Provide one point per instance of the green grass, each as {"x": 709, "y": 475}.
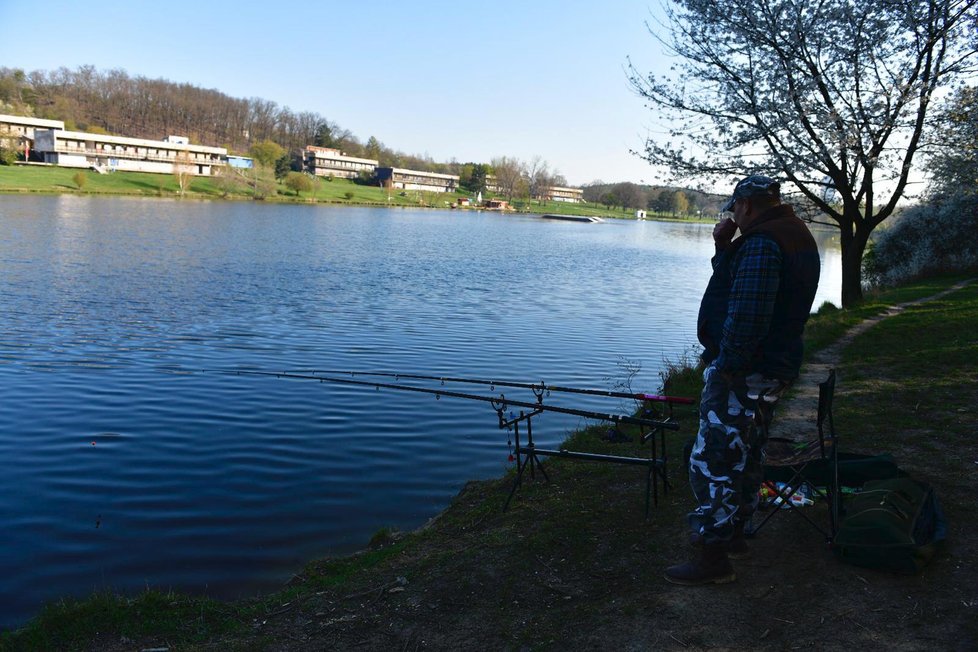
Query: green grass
{"x": 70, "y": 624}
{"x": 915, "y": 375}
{"x": 51, "y": 180}
{"x": 154, "y": 615}
{"x": 830, "y": 323}
{"x": 42, "y": 179}
{"x": 38, "y": 179}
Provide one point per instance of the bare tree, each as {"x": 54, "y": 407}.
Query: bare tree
{"x": 183, "y": 170}
{"x": 629, "y": 195}
{"x": 230, "y": 180}
{"x": 829, "y": 95}
{"x": 264, "y": 184}
{"x": 539, "y": 178}
{"x": 509, "y": 176}
{"x": 262, "y": 118}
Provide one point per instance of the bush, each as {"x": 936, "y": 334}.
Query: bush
{"x": 298, "y": 182}
{"x": 364, "y": 178}
{"x": 264, "y": 182}
{"x": 684, "y": 376}
{"x": 80, "y": 179}
{"x": 348, "y": 194}
{"x": 936, "y": 237}
{"x": 827, "y": 308}
{"x": 8, "y": 151}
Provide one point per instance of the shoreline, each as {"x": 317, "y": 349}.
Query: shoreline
{"x": 51, "y": 180}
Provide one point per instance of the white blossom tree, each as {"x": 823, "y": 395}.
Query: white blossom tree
{"x": 833, "y": 96}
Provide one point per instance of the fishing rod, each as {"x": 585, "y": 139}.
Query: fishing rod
{"x": 542, "y": 387}
{"x": 527, "y": 455}
{"x": 499, "y": 403}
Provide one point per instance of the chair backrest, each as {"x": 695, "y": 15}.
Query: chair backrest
{"x": 826, "y": 394}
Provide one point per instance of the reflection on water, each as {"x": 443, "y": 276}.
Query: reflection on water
{"x": 130, "y": 462}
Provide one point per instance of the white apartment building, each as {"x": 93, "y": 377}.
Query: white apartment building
{"x": 569, "y": 195}
{"x": 417, "y": 180}
{"x": 83, "y": 150}
{"x": 330, "y": 162}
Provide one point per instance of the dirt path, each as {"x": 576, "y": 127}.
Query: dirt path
{"x": 796, "y": 414}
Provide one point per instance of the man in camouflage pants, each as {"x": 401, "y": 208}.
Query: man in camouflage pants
{"x": 751, "y": 321}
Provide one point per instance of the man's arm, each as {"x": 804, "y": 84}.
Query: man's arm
{"x": 723, "y": 233}
{"x": 756, "y": 277}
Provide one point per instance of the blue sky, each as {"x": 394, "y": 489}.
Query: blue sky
{"x": 470, "y": 81}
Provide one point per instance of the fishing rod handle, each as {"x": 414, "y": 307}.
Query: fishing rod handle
{"x": 681, "y": 400}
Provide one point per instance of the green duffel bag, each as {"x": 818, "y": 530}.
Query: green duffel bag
{"x": 893, "y": 525}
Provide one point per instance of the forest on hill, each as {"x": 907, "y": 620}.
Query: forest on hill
{"x": 115, "y": 102}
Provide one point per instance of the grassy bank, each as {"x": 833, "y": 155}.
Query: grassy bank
{"x": 574, "y": 565}
{"x": 55, "y": 180}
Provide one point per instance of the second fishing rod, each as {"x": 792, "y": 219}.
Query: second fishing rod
{"x": 500, "y": 403}
{"x": 541, "y": 386}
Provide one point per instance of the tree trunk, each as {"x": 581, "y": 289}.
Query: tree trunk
{"x": 852, "y": 287}
{"x": 853, "y": 246}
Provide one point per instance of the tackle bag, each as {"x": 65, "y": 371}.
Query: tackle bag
{"x": 893, "y": 525}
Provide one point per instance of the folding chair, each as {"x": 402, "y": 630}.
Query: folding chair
{"x": 813, "y": 463}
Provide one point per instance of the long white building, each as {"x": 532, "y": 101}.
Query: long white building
{"x": 330, "y": 162}
{"x": 83, "y": 150}
{"x": 559, "y": 193}
{"x": 417, "y": 180}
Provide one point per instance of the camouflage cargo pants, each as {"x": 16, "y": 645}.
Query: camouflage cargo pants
{"x": 725, "y": 466}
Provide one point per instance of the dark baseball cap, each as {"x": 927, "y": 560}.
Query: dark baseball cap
{"x": 755, "y": 184}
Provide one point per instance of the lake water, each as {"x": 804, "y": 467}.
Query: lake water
{"x": 127, "y": 465}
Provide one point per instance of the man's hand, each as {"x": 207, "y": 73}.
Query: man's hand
{"x": 723, "y": 232}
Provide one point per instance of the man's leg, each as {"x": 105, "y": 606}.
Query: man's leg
{"x": 754, "y": 437}
{"x": 716, "y": 468}
{"x": 762, "y": 397}
{"x": 719, "y": 458}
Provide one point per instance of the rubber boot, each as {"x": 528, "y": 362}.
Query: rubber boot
{"x": 709, "y": 566}
{"x": 737, "y": 547}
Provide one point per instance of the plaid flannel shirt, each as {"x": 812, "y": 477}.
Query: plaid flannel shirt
{"x": 756, "y": 271}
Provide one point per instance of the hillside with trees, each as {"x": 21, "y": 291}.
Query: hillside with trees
{"x": 115, "y": 102}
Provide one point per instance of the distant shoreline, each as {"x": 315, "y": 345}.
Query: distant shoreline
{"x": 51, "y": 180}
